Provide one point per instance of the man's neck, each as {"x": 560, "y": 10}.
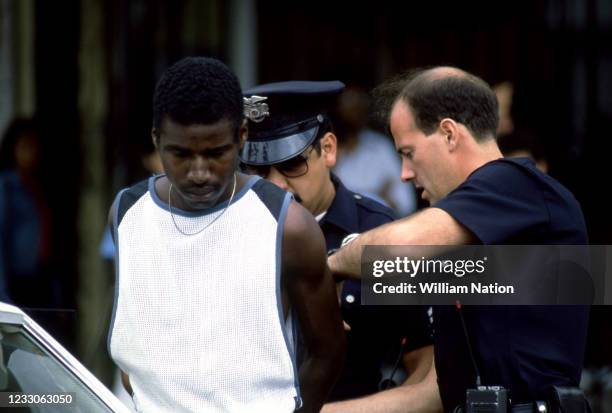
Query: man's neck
{"x": 162, "y": 187}
{"x": 484, "y": 153}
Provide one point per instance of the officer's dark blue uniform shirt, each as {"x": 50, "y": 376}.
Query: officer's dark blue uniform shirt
{"x": 376, "y": 332}
{"x": 524, "y": 348}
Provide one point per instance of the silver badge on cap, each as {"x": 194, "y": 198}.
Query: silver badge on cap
{"x": 255, "y": 108}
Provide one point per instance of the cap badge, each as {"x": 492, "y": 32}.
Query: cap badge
{"x": 255, "y": 108}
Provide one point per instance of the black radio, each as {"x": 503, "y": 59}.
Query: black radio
{"x": 482, "y": 399}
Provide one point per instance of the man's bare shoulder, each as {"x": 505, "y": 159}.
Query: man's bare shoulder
{"x": 303, "y": 240}
{"x": 300, "y": 224}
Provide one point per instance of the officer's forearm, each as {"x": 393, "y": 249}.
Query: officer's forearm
{"x": 431, "y": 226}
{"x": 422, "y": 397}
{"x": 396, "y": 400}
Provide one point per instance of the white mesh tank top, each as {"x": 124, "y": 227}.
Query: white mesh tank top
{"x": 198, "y": 322}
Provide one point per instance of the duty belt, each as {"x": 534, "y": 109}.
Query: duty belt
{"x": 535, "y": 407}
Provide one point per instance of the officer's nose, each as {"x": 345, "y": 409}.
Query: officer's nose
{"x": 407, "y": 173}
{"x": 199, "y": 172}
{"x": 278, "y": 179}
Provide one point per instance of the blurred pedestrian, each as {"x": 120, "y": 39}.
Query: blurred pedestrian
{"x": 25, "y": 220}
{"x": 360, "y": 147}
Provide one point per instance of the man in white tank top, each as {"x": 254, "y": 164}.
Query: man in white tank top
{"x": 216, "y": 270}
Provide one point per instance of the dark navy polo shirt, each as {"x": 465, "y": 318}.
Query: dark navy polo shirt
{"x": 376, "y": 332}
{"x": 527, "y": 349}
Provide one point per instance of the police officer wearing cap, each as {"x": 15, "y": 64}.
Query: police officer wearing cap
{"x": 291, "y": 143}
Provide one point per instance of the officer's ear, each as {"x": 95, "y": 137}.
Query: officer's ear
{"x": 329, "y": 148}
{"x": 243, "y": 133}
{"x": 449, "y": 129}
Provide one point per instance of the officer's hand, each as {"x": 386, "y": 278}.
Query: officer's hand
{"x": 335, "y": 269}
{"x": 332, "y": 261}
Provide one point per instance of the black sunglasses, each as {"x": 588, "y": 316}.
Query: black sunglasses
{"x": 291, "y": 168}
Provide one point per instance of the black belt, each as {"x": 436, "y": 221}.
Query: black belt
{"x": 535, "y": 407}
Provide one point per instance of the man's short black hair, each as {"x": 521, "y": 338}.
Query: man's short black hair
{"x": 460, "y": 96}
{"x": 198, "y": 90}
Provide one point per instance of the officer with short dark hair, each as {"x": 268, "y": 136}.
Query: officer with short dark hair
{"x": 443, "y": 121}
{"x": 292, "y": 143}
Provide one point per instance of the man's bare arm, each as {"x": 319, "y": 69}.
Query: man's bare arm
{"x": 311, "y": 292}
{"x": 432, "y": 226}
{"x": 421, "y": 397}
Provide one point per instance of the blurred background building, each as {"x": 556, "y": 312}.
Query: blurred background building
{"x": 86, "y": 70}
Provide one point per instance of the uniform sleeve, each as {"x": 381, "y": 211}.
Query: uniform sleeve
{"x": 497, "y": 203}
{"x": 373, "y": 214}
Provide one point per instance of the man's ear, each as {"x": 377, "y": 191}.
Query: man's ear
{"x": 329, "y": 148}
{"x": 155, "y": 137}
{"x": 243, "y": 133}
{"x": 449, "y": 129}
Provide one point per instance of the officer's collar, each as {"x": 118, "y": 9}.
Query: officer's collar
{"x": 343, "y": 210}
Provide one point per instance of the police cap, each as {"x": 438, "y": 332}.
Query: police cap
{"x": 285, "y": 118}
